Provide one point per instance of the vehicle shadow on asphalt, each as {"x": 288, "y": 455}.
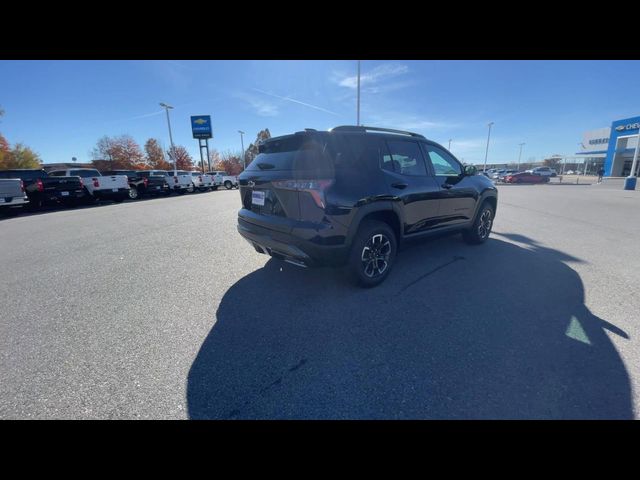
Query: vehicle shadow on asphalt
{"x": 497, "y": 331}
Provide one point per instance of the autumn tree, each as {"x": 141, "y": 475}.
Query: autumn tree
{"x": 230, "y": 162}
{"x": 4, "y": 150}
{"x": 19, "y": 157}
{"x": 115, "y": 153}
{"x": 154, "y": 155}
{"x": 252, "y": 150}
{"x": 183, "y": 158}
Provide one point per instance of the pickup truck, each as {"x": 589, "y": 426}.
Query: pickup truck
{"x": 179, "y": 183}
{"x": 199, "y": 181}
{"x": 99, "y": 187}
{"x": 43, "y": 189}
{"x": 12, "y": 195}
{"x": 141, "y": 182}
{"x": 221, "y": 178}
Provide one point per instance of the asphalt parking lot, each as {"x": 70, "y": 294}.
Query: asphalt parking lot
{"x": 158, "y": 309}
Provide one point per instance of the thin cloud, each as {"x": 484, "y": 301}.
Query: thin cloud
{"x": 289, "y": 99}
{"x": 262, "y": 108}
{"x": 376, "y": 75}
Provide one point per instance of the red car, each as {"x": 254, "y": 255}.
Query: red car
{"x": 525, "y": 177}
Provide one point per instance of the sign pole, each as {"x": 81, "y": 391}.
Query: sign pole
{"x": 208, "y": 157}
{"x": 201, "y": 157}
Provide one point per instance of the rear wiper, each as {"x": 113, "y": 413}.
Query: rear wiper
{"x": 265, "y": 166}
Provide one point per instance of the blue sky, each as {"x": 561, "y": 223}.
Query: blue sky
{"x": 61, "y": 108}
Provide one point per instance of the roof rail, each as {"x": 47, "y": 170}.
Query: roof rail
{"x": 353, "y": 128}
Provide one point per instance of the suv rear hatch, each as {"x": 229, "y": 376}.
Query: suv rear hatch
{"x": 287, "y": 182}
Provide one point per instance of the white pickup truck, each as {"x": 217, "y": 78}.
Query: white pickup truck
{"x": 221, "y": 178}
{"x": 180, "y": 183}
{"x": 12, "y": 195}
{"x": 100, "y": 187}
{"x": 200, "y": 181}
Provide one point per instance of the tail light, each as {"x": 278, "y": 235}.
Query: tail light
{"x": 22, "y": 186}
{"x": 40, "y": 185}
{"x": 175, "y": 179}
{"x": 316, "y": 188}
{"x": 145, "y": 180}
{"x": 200, "y": 178}
{"x": 96, "y": 183}
{"x": 81, "y": 183}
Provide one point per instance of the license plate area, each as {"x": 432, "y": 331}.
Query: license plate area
{"x": 257, "y": 198}
{"x": 64, "y": 194}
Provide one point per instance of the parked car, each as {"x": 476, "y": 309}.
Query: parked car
{"x": 99, "y": 187}
{"x": 352, "y": 195}
{"x": 544, "y": 171}
{"x": 221, "y": 178}
{"x": 526, "y": 177}
{"x": 142, "y": 183}
{"x": 43, "y": 189}
{"x": 179, "y": 183}
{"x": 200, "y": 181}
{"x": 504, "y": 173}
{"x": 12, "y": 196}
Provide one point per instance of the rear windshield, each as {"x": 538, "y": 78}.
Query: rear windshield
{"x": 296, "y": 152}
{"x": 84, "y": 173}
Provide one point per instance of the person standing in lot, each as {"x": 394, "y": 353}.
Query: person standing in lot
{"x": 600, "y": 174}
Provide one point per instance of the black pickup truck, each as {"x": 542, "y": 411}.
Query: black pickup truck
{"x": 142, "y": 182}
{"x": 42, "y": 189}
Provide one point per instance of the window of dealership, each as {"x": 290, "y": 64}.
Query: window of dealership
{"x": 611, "y": 147}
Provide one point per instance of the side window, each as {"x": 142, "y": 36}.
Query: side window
{"x": 444, "y": 165}
{"x": 406, "y": 158}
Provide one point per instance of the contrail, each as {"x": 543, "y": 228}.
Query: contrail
{"x": 297, "y": 101}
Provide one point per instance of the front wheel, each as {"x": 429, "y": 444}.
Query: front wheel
{"x": 481, "y": 228}
{"x": 372, "y": 253}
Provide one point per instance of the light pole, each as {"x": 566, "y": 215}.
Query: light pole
{"x": 520, "y": 155}
{"x": 173, "y": 149}
{"x": 358, "y": 107}
{"x": 486, "y": 153}
{"x": 244, "y": 162}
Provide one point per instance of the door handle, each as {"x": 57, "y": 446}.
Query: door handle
{"x": 399, "y": 185}
{"x": 447, "y": 185}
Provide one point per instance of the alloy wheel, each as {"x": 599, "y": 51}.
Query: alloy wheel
{"x": 375, "y": 255}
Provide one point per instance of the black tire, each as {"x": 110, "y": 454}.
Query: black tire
{"x": 182, "y": 191}
{"x": 118, "y": 199}
{"x": 228, "y": 185}
{"x": 134, "y": 194}
{"x": 480, "y": 231}
{"x": 34, "y": 205}
{"x": 214, "y": 188}
{"x": 377, "y": 237}
{"x": 191, "y": 188}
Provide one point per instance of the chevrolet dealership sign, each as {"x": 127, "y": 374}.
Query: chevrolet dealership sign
{"x": 630, "y": 126}
{"x": 201, "y": 126}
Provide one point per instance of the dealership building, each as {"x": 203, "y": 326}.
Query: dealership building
{"x": 611, "y": 147}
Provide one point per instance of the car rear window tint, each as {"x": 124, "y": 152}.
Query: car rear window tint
{"x": 297, "y": 152}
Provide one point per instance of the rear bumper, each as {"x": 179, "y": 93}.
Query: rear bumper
{"x": 13, "y": 202}
{"x": 290, "y": 247}
{"x": 109, "y": 194}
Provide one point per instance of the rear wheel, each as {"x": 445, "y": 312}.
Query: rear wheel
{"x": 191, "y": 188}
{"x": 133, "y": 193}
{"x": 372, "y": 253}
{"x": 182, "y": 191}
{"x": 215, "y": 187}
{"x": 481, "y": 228}
{"x": 228, "y": 185}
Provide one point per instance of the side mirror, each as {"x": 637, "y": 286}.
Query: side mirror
{"x": 470, "y": 170}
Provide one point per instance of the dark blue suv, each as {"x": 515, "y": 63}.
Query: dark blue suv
{"x": 351, "y": 195}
